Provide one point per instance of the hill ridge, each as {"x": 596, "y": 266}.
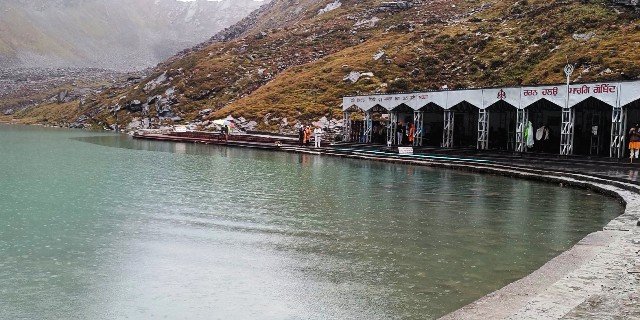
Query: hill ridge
{"x": 291, "y": 60}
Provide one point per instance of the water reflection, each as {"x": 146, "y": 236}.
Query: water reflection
{"x": 148, "y": 229}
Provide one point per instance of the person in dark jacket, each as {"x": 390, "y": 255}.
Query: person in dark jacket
{"x": 399, "y": 133}
{"x": 301, "y": 135}
{"x": 225, "y": 130}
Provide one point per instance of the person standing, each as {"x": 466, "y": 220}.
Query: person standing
{"x": 307, "y": 135}
{"x": 317, "y": 133}
{"x": 226, "y": 133}
{"x": 412, "y": 133}
{"x": 301, "y": 135}
{"x": 634, "y": 142}
{"x": 399, "y": 133}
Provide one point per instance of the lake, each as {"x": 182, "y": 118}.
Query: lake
{"x": 101, "y": 226}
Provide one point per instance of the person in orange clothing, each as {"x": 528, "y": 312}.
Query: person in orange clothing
{"x": 307, "y": 135}
{"x": 412, "y": 133}
{"x": 634, "y": 142}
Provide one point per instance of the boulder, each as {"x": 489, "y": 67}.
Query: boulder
{"x": 250, "y": 126}
{"x": 151, "y": 85}
{"x": 62, "y": 95}
{"x": 136, "y": 123}
{"x": 380, "y": 54}
{"x": 330, "y": 7}
{"x": 584, "y": 36}
{"x": 368, "y": 23}
{"x": 353, "y": 77}
{"x": 163, "y": 108}
{"x": 133, "y": 106}
{"x": 153, "y": 99}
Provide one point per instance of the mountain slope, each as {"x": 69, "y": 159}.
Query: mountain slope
{"x": 292, "y": 58}
{"x": 112, "y": 34}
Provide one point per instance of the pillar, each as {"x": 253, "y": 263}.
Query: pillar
{"x": 566, "y": 131}
{"x": 346, "y": 126}
{"x": 483, "y": 129}
{"x": 418, "y": 122}
{"x": 618, "y": 130}
{"x": 368, "y": 126}
{"x": 392, "y": 128}
{"x": 522, "y": 118}
{"x": 447, "y": 134}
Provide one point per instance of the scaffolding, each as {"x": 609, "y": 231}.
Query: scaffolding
{"x": 346, "y": 126}
{"x": 618, "y": 130}
{"x": 418, "y": 121}
{"x": 447, "y": 132}
{"x": 368, "y": 126}
{"x": 483, "y": 129}
{"x": 522, "y": 118}
{"x": 392, "y": 128}
{"x": 567, "y": 130}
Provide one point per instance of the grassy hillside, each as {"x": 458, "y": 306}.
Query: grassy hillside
{"x": 291, "y": 61}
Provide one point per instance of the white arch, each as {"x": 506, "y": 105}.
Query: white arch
{"x": 473, "y": 97}
{"x": 438, "y": 98}
{"x": 556, "y": 94}
{"x": 605, "y": 92}
{"x": 612, "y": 93}
{"x": 508, "y": 95}
{"x": 629, "y": 92}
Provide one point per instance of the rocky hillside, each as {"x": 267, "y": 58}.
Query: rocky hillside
{"x": 293, "y": 60}
{"x": 108, "y": 34}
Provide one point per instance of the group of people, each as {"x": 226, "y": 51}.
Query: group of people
{"x": 405, "y": 133}
{"x": 305, "y": 133}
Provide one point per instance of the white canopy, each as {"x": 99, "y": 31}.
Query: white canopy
{"x": 615, "y": 94}
{"x": 474, "y": 97}
{"x": 556, "y": 94}
{"x": 438, "y": 98}
{"x": 508, "y": 95}
{"x": 605, "y": 92}
{"x": 629, "y": 92}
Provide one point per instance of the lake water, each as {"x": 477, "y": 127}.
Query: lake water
{"x": 100, "y": 226}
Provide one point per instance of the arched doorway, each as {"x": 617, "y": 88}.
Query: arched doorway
{"x": 547, "y": 114}
{"x": 379, "y": 124}
{"x": 465, "y": 125}
{"x": 592, "y": 128}
{"x": 353, "y": 124}
{"x": 432, "y": 125}
{"x": 400, "y": 119}
{"x": 502, "y": 126}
